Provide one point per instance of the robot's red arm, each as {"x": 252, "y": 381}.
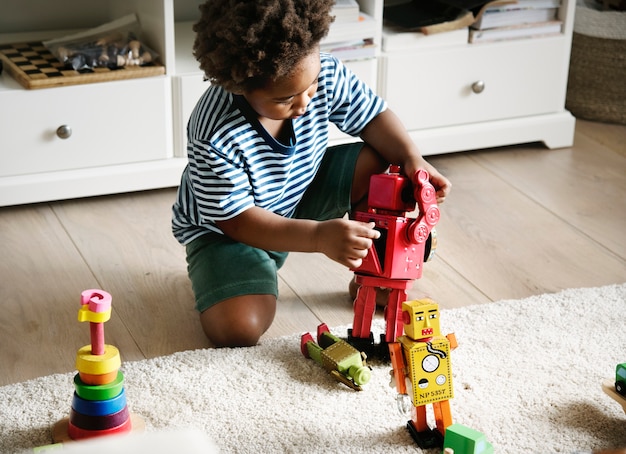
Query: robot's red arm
{"x": 426, "y": 198}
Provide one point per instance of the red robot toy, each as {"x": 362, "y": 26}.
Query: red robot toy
{"x": 396, "y": 258}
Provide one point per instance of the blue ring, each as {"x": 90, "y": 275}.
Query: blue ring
{"x": 99, "y": 407}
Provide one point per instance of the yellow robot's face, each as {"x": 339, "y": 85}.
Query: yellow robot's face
{"x": 421, "y": 319}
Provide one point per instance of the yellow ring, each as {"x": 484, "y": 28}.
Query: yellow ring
{"x": 98, "y": 364}
{"x": 85, "y": 315}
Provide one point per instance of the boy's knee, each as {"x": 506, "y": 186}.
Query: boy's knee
{"x": 240, "y": 335}
{"x": 239, "y": 322}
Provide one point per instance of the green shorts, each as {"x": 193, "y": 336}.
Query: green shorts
{"x": 220, "y": 268}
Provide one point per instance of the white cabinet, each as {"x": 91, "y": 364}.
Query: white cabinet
{"x": 129, "y": 135}
{"x": 91, "y": 139}
{"x": 454, "y": 97}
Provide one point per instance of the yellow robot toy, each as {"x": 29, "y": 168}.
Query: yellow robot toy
{"x": 422, "y": 372}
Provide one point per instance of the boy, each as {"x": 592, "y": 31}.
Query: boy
{"x": 261, "y": 181}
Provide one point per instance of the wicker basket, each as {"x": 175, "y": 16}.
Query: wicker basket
{"x": 597, "y": 75}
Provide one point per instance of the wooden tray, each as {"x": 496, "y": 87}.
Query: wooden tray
{"x": 33, "y": 66}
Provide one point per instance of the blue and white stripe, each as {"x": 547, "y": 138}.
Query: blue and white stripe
{"x": 235, "y": 164}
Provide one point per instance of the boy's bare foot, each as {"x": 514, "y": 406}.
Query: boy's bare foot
{"x": 382, "y": 294}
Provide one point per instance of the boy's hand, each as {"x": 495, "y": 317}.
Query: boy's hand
{"x": 345, "y": 241}
{"x": 387, "y": 135}
{"x": 442, "y": 184}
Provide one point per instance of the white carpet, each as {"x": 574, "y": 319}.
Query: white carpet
{"x": 527, "y": 373}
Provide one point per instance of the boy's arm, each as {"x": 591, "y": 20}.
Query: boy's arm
{"x": 388, "y": 136}
{"x": 342, "y": 240}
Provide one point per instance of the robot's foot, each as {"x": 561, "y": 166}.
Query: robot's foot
{"x": 321, "y": 329}
{"x": 303, "y": 341}
{"x": 430, "y": 438}
{"x": 369, "y": 347}
{"x": 364, "y": 344}
{"x": 383, "y": 349}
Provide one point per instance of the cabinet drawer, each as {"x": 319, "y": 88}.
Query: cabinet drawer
{"x": 434, "y": 88}
{"x": 111, "y": 123}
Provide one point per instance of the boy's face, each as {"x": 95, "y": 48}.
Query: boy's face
{"x": 289, "y": 96}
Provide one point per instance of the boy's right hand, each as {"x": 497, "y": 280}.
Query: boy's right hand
{"x": 345, "y": 241}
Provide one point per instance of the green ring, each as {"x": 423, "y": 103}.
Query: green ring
{"x": 99, "y": 392}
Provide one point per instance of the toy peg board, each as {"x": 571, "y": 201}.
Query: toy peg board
{"x": 33, "y": 66}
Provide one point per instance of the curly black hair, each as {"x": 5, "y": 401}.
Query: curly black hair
{"x": 244, "y": 44}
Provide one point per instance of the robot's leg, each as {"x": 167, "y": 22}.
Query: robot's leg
{"x": 393, "y": 314}
{"x": 424, "y": 436}
{"x": 364, "y": 307}
{"x": 443, "y": 415}
{"x": 419, "y": 418}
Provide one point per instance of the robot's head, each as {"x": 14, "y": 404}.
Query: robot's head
{"x": 391, "y": 191}
{"x": 421, "y": 319}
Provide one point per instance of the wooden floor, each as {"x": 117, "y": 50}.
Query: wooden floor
{"x": 520, "y": 221}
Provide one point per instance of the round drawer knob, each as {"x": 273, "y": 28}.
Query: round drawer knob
{"x": 64, "y": 132}
{"x": 478, "y": 86}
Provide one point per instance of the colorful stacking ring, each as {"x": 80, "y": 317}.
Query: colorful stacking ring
{"x": 103, "y": 379}
{"x": 99, "y": 407}
{"x": 109, "y": 362}
{"x": 78, "y": 433}
{"x": 99, "y": 423}
{"x": 99, "y": 392}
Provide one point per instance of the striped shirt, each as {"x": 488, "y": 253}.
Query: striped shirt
{"x": 235, "y": 164}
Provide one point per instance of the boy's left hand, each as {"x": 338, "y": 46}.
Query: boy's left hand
{"x": 442, "y": 184}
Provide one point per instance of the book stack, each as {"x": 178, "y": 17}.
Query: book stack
{"x": 345, "y": 11}
{"x": 351, "y": 36}
{"x": 357, "y": 49}
{"x": 513, "y": 19}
